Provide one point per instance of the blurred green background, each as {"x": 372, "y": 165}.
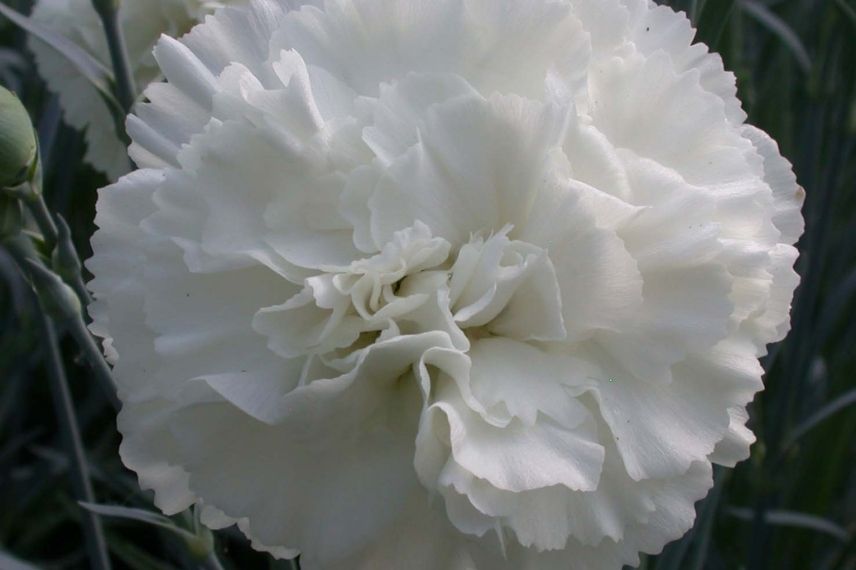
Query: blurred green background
{"x": 791, "y": 506}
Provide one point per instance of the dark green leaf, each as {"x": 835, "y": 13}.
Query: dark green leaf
{"x": 780, "y": 28}
{"x": 712, "y": 19}
{"x": 840, "y": 403}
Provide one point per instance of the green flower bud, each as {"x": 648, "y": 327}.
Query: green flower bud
{"x": 18, "y": 147}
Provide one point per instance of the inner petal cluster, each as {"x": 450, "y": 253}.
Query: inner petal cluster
{"x": 490, "y": 286}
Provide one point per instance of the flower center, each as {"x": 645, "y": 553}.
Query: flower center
{"x": 491, "y": 286}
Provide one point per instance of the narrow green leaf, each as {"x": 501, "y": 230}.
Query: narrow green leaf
{"x": 835, "y": 304}
{"x": 704, "y": 524}
{"x": 695, "y": 9}
{"x": 676, "y": 556}
{"x": 831, "y": 408}
{"x": 97, "y": 74}
{"x": 139, "y": 515}
{"x": 781, "y": 29}
{"x": 848, "y": 11}
{"x": 796, "y": 520}
{"x": 712, "y": 19}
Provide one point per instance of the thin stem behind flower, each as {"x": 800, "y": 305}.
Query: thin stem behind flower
{"x": 70, "y": 433}
{"x": 126, "y": 90}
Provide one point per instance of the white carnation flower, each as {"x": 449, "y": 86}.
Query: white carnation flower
{"x": 443, "y": 284}
{"x": 142, "y": 21}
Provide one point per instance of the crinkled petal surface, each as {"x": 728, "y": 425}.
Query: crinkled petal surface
{"x": 142, "y": 22}
{"x": 459, "y": 284}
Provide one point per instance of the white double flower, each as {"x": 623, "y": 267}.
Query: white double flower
{"x": 520, "y": 256}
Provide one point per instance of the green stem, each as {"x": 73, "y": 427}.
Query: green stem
{"x": 704, "y": 527}
{"x": 67, "y": 263}
{"x": 80, "y": 289}
{"x": 95, "y": 358}
{"x": 35, "y": 202}
{"x": 126, "y": 91}
{"x": 70, "y": 433}
{"x": 58, "y": 236}
{"x": 76, "y": 325}
{"x": 66, "y": 310}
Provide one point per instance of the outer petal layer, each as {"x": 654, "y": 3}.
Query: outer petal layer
{"x": 458, "y": 284}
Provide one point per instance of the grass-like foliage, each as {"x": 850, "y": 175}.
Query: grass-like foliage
{"x": 792, "y": 505}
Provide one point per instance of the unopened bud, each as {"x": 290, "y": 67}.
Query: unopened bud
{"x": 18, "y": 148}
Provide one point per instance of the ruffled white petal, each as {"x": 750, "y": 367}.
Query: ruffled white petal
{"x": 461, "y": 284}
{"x": 142, "y": 22}
{"x": 477, "y": 166}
